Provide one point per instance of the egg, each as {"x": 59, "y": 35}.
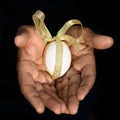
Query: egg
{"x": 57, "y": 58}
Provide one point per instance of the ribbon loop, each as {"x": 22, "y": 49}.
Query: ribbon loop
{"x": 38, "y": 18}
{"x": 67, "y": 25}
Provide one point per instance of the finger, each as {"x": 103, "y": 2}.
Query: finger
{"x": 38, "y": 86}
{"x": 48, "y": 77}
{"x": 63, "y": 89}
{"x": 51, "y": 100}
{"x": 96, "y": 40}
{"x": 51, "y": 103}
{"x": 44, "y": 77}
{"x": 26, "y": 66}
{"x": 53, "y": 93}
{"x": 41, "y": 78}
{"x": 73, "y": 102}
{"x": 29, "y": 67}
{"x": 88, "y": 76}
{"x": 83, "y": 60}
{"x": 30, "y": 93}
{"x": 86, "y": 66}
{"x": 71, "y": 72}
{"x": 23, "y": 35}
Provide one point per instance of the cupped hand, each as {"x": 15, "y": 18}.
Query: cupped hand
{"x": 64, "y": 94}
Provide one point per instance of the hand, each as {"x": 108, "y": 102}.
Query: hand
{"x": 64, "y": 94}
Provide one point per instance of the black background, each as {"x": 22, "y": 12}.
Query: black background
{"x": 102, "y": 17}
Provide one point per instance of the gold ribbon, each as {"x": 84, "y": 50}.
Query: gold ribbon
{"x": 38, "y": 18}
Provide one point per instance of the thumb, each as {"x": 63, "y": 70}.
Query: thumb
{"x": 97, "y": 41}
{"x": 23, "y": 35}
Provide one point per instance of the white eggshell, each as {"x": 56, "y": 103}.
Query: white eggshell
{"x": 50, "y": 58}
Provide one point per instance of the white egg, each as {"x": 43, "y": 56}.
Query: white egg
{"x": 50, "y": 58}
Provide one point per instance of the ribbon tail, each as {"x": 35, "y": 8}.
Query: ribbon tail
{"x": 68, "y": 24}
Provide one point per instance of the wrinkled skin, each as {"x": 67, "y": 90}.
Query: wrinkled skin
{"x": 64, "y": 94}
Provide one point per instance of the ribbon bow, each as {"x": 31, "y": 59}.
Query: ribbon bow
{"x": 38, "y": 18}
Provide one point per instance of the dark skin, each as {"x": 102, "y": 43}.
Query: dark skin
{"x": 64, "y": 94}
